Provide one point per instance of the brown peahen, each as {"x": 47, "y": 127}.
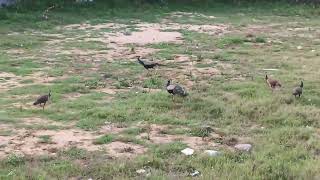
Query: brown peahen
{"x": 43, "y": 100}
{"x": 297, "y": 91}
{"x": 272, "y": 83}
{"x": 176, "y": 89}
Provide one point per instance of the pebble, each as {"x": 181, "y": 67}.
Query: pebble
{"x": 243, "y": 147}
{"x": 212, "y": 153}
{"x": 299, "y": 47}
{"x": 140, "y": 171}
{"x": 195, "y": 173}
{"x": 188, "y": 151}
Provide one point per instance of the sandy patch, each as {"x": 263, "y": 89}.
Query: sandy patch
{"x": 87, "y": 26}
{"x": 111, "y": 129}
{"x": 183, "y": 14}
{"x": 148, "y": 36}
{"x": 27, "y": 142}
{"x": 9, "y": 81}
{"x": 121, "y": 149}
{"x": 43, "y": 122}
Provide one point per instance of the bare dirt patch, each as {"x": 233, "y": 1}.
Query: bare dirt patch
{"x": 121, "y": 149}
{"x": 9, "y": 81}
{"x": 184, "y": 14}
{"x": 87, "y": 26}
{"x": 27, "y": 141}
{"x": 43, "y": 122}
{"x": 148, "y": 36}
{"x": 110, "y": 128}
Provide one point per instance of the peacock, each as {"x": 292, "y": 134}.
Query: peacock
{"x": 148, "y": 65}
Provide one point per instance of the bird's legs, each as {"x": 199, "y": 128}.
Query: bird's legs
{"x": 44, "y": 104}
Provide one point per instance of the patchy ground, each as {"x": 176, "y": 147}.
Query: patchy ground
{"x": 106, "y": 108}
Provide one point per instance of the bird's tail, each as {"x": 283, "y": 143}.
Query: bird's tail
{"x": 279, "y": 84}
{"x": 35, "y": 103}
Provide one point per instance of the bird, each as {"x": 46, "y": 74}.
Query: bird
{"x": 176, "y": 89}
{"x": 148, "y": 65}
{"x": 272, "y": 82}
{"x": 297, "y": 91}
{"x": 43, "y": 100}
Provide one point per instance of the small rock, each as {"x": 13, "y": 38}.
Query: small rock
{"x": 195, "y": 173}
{"x": 140, "y": 171}
{"x": 299, "y": 47}
{"x": 212, "y": 153}
{"x": 243, "y": 147}
{"x": 188, "y": 151}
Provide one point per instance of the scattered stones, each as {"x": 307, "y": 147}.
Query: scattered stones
{"x": 243, "y": 147}
{"x": 188, "y": 151}
{"x": 212, "y": 153}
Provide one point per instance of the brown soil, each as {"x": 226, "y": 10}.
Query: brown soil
{"x": 148, "y": 36}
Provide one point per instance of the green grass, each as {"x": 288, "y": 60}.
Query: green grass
{"x": 234, "y": 102}
{"x": 46, "y": 139}
{"x": 104, "y": 139}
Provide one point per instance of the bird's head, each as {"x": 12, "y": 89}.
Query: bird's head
{"x": 168, "y": 82}
{"x": 138, "y": 57}
{"x": 266, "y": 76}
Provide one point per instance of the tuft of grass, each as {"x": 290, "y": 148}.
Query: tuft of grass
{"x": 260, "y": 40}
{"x": 229, "y": 41}
{"x": 154, "y": 82}
{"x": 169, "y": 150}
{"x": 74, "y": 153}
{"x": 45, "y": 139}
{"x": 105, "y": 139}
{"x": 15, "y": 160}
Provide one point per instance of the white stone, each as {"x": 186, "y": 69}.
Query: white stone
{"x": 212, "y": 153}
{"x": 299, "y": 47}
{"x": 243, "y": 147}
{"x": 195, "y": 173}
{"x": 140, "y": 171}
{"x": 188, "y": 151}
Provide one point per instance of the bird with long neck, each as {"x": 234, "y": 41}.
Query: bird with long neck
{"x": 43, "y": 100}
{"x": 272, "y": 83}
{"x": 147, "y": 65}
{"x": 297, "y": 91}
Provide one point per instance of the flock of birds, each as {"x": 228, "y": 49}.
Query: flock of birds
{"x": 176, "y": 89}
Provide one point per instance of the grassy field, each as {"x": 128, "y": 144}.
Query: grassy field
{"x": 109, "y": 117}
